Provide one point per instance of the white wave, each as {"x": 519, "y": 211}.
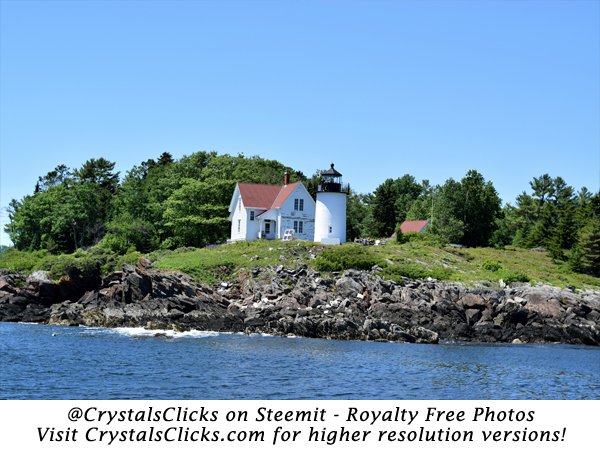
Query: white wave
{"x": 255, "y": 334}
{"x": 143, "y": 332}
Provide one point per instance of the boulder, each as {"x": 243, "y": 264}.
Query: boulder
{"x": 348, "y": 287}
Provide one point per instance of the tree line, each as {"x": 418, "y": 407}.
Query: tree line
{"x": 167, "y": 203}
{"x": 160, "y": 203}
{"x": 550, "y": 215}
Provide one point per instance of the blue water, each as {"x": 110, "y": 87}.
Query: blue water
{"x": 51, "y": 362}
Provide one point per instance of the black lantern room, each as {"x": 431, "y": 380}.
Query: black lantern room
{"x": 331, "y": 181}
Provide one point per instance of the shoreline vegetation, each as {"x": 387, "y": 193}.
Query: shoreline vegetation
{"x": 88, "y": 245}
{"x": 377, "y": 293}
{"x": 421, "y": 256}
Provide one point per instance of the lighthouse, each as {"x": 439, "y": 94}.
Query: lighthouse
{"x": 330, "y": 212}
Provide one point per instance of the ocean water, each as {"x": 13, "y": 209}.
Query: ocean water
{"x": 51, "y": 362}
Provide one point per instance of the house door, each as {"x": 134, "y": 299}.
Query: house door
{"x": 267, "y": 228}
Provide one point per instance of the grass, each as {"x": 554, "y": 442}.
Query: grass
{"x": 474, "y": 265}
{"x": 210, "y": 265}
{"x": 413, "y": 259}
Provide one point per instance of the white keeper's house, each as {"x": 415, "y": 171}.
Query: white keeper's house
{"x": 264, "y": 211}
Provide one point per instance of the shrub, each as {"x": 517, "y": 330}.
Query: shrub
{"x": 401, "y": 238}
{"x": 492, "y": 266}
{"x": 407, "y": 270}
{"x": 440, "y": 273}
{"x": 75, "y": 266}
{"x": 415, "y": 271}
{"x": 510, "y": 277}
{"x": 21, "y": 261}
{"x": 430, "y": 239}
{"x": 434, "y": 240}
{"x": 114, "y": 243}
{"x": 131, "y": 257}
{"x": 345, "y": 257}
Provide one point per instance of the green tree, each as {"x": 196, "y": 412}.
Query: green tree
{"x": 552, "y": 215}
{"x": 480, "y": 209}
{"x": 197, "y": 212}
{"x": 506, "y": 227}
{"x": 466, "y": 212}
{"x": 95, "y": 186}
{"x": 585, "y": 255}
{"x": 357, "y": 216}
{"x": 98, "y": 172}
{"x": 543, "y": 188}
{"x": 445, "y": 220}
{"x": 50, "y": 219}
{"x": 384, "y": 213}
{"x": 407, "y": 192}
{"x": 421, "y": 207}
{"x": 392, "y": 201}
{"x": 60, "y": 175}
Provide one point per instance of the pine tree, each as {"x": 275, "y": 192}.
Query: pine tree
{"x": 589, "y": 243}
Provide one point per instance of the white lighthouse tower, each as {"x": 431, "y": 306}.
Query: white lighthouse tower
{"x": 330, "y": 212}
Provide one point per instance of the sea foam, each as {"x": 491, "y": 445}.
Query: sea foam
{"x": 145, "y": 333}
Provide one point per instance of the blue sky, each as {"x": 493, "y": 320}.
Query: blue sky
{"x": 382, "y": 88}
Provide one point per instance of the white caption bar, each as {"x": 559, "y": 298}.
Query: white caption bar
{"x": 299, "y": 424}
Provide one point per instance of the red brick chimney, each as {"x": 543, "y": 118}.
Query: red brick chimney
{"x": 286, "y": 178}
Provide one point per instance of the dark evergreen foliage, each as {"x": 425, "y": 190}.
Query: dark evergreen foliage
{"x": 171, "y": 203}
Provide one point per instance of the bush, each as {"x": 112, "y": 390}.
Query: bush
{"x": 440, "y": 273}
{"x": 75, "y": 266}
{"x": 345, "y": 257}
{"x": 21, "y": 261}
{"x": 434, "y": 240}
{"x": 510, "y": 277}
{"x": 492, "y": 266}
{"x": 131, "y": 257}
{"x": 407, "y": 270}
{"x": 114, "y": 243}
{"x": 402, "y": 238}
{"x": 415, "y": 271}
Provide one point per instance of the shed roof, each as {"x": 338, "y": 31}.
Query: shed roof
{"x": 413, "y": 226}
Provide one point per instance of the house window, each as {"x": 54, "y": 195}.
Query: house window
{"x": 298, "y": 226}
{"x": 251, "y": 215}
{"x": 330, "y": 229}
{"x": 239, "y": 206}
{"x": 299, "y": 204}
{"x": 239, "y": 225}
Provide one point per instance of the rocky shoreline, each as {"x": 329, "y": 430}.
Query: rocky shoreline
{"x": 281, "y": 301}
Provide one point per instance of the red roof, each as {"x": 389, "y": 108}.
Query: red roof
{"x": 413, "y": 226}
{"x": 265, "y": 196}
{"x": 284, "y": 193}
